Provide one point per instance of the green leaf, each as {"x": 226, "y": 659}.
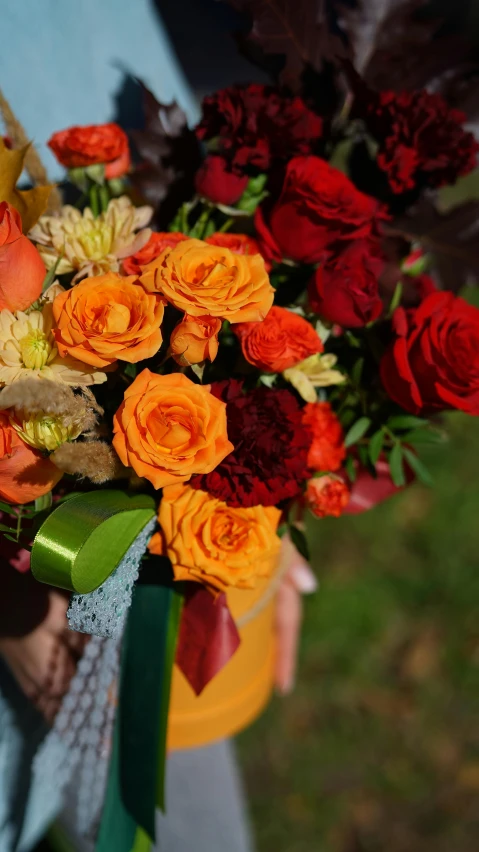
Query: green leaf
{"x": 130, "y": 370}
{"x": 396, "y": 299}
{"x": 44, "y": 502}
{"x": 350, "y": 468}
{"x": 357, "y": 371}
{"x": 50, "y": 276}
{"x": 418, "y": 467}
{"x": 424, "y": 436}
{"x": 299, "y": 540}
{"x": 4, "y": 528}
{"x": 357, "y": 431}
{"x": 282, "y": 530}
{"x": 396, "y": 466}
{"x": 406, "y": 421}
{"x": 5, "y": 507}
{"x": 11, "y": 538}
{"x": 376, "y": 444}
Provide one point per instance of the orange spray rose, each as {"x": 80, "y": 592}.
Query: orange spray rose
{"x": 151, "y": 250}
{"x": 327, "y": 450}
{"x": 106, "y": 318}
{"x": 194, "y": 339}
{"x": 79, "y": 147}
{"x": 169, "y": 428}
{"x": 282, "y": 340}
{"x": 209, "y": 542}
{"x": 21, "y": 268}
{"x": 24, "y": 473}
{"x": 202, "y": 279}
{"x": 327, "y": 495}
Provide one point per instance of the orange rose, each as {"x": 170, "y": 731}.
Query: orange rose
{"x": 152, "y": 249}
{"x": 201, "y": 279}
{"x": 21, "y": 268}
{"x": 327, "y": 495}
{"x": 238, "y": 243}
{"x": 194, "y": 339}
{"x": 169, "y": 428}
{"x": 107, "y": 318}
{"x": 327, "y": 450}
{"x": 281, "y": 341}
{"x": 24, "y": 473}
{"x": 209, "y": 542}
{"x": 80, "y": 147}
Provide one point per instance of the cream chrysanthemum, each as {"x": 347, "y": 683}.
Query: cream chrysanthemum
{"x": 88, "y": 245}
{"x": 46, "y": 431}
{"x": 27, "y": 349}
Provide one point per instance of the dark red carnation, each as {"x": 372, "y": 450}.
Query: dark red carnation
{"x": 344, "y": 289}
{"x": 317, "y": 206}
{"x": 269, "y": 462}
{"x": 420, "y": 138}
{"x": 256, "y": 124}
{"x": 433, "y": 363}
{"x": 215, "y": 180}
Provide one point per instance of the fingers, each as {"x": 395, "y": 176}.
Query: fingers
{"x": 288, "y": 623}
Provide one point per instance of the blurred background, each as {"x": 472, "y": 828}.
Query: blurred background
{"x": 378, "y": 747}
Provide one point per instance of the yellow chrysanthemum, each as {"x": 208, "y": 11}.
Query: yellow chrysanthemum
{"x": 314, "y": 372}
{"x": 27, "y": 348}
{"x": 89, "y": 245}
{"x": 45, "y": 431}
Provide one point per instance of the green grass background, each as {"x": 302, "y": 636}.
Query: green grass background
{"x": 378, "y": 747}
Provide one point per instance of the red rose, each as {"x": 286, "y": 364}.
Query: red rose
{"x": 134, "y": 264}
{"x": 327, "y": 450}
{"x": 433, "y": 363}
{"x": 79, "y": 147}
{"x": 281, "y": 341}
{"x": 216, "y": 182}
{"x": 344, "y": 289}
{"x": 21, "y": 268}
{"x": 317, "y": 206}
{"x": 419, "y": 137}
{"x": 254, "y": 125}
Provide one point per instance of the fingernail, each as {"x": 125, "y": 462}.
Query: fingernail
{"x": 303, "y": 578}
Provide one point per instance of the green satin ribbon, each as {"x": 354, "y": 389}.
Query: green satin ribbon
{"x": 84, "y": 539}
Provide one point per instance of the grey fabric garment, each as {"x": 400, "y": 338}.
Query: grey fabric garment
{"x": 205, "y": 805}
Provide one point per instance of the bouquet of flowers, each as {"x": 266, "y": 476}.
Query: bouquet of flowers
{"x": 228, "y": 327}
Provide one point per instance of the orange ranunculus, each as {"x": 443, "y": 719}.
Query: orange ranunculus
{"x": 281, "y": 341}
{"x": 21, "y": 268}
{"x": 108, "y": 318}
{"x": 327, "y": 496}
{"x": 24, "y": 473}
{"x": 80, "y": 147}
{"x": 238, "y": 243}
{"x": 327, "y": 451}
{"x": 194, "y": 339}
{"x": 209, "y": 542}
{"x": 151, "y": 250}
{"x": 169, "y": 428}
{"x": 201, "y": 279}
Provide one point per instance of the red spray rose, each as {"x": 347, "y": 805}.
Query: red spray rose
{"x": 419, "y": 137}
{"x": 21, "y": 268}
{"x": 344, "y": 289}
{"x": 215, "y": 181}
{"x": 327, "y": 451}
{"x": 256, "y": 124}
{"x": 269, "y": 462}
{"x": 282, "y": 340}
{"x": 151, "y": 250}
{"x": 79, "y": 147}
{"x": 317, "y": 206}
{"x": 433, "y": 363}
{"x": 327, "y": 496}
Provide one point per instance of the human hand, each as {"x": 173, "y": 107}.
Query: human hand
{"x": 298, "y": 580}
{"x": 42, "y": 654}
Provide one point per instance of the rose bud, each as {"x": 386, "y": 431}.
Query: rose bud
{"x": 217, "y": 183}
{"x": 22, "y": 270}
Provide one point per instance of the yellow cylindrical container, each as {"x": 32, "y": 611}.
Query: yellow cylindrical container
{"x": 240, "y": 691}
